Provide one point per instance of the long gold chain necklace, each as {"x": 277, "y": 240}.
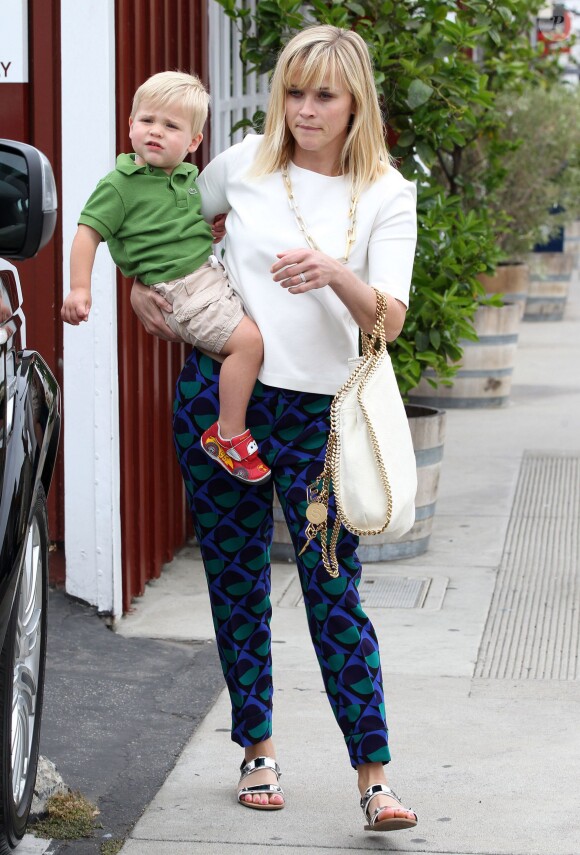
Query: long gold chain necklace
{"x": 351, "y": 229}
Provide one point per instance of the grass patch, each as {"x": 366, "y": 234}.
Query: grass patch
{"x": 69, "y": 817}
{"x": 111, "y": 847}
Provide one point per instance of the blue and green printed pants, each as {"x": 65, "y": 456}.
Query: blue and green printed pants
{"x": 234, "y": 527}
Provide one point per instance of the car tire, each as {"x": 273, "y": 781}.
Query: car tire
{"x": 22, "y": 667}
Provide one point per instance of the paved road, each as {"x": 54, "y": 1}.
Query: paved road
{"x": 118, "y": 711}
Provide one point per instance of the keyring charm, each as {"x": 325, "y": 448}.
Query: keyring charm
{"x": 316, "y": 513}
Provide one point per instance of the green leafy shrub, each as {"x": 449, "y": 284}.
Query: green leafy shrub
{"x": 538, "y": 150}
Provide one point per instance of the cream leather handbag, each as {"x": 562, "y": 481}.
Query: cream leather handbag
{"x": 370, "y": 462}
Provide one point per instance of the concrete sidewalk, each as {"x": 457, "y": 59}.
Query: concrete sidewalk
{"x": 486, "y": 746}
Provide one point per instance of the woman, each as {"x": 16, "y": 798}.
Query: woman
{"x": 316, "y": 218}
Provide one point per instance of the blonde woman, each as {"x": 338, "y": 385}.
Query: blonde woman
{"x": 317, "y": 217}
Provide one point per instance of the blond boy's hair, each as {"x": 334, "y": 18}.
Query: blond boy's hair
{"x": 309, "y": 57}
{"x": 175, "y": 87}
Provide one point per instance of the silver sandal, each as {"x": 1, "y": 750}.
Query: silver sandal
{"x": 269, "y": 789}
{"x": 392, "y": 823}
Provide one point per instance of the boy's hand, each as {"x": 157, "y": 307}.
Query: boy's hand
{"x": 77, "y": 306}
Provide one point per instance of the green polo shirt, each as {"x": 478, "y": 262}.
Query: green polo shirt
{"x": 151, "y": 221}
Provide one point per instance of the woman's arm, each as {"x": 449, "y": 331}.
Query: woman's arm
{"x": 212, "y": 185}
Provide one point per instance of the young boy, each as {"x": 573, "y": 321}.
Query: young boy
{"x": 148, "y": 211}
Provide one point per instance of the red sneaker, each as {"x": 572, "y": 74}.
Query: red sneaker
{"x": 238, "y": 455}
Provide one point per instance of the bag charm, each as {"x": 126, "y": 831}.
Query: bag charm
{"x": 316, "y": 511}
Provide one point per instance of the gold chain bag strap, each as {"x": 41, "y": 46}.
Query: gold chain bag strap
{"x": 370, "y": 462}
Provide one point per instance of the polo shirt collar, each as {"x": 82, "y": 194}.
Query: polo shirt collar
{"x": 126, "y": 164}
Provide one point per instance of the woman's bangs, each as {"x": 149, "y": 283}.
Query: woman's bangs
{"x": 310, "y": 69}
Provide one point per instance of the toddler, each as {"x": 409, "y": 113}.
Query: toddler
{"x": 148, "y": 211}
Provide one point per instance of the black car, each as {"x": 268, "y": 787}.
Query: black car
{"x": 29, "y": 433}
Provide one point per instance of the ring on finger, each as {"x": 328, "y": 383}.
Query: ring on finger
{"x": 302, "y": 277}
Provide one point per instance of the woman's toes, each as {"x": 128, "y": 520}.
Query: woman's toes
{"x": 386, "y": 813}
{"x": 391, "y": 811}
{"x": 261, "y": 778}
{"x": 265, "y": 799}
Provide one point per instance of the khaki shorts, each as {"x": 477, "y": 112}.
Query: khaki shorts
{"x": 206, "y": 310}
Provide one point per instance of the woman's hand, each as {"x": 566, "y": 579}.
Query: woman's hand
{"x": 301, "y": 270}
{"x": 320, "y": 270}
{"x": 147, "y": 306}
{"x": 218, "y": 228}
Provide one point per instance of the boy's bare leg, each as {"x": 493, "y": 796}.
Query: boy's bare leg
{"x": 243, "y": 352}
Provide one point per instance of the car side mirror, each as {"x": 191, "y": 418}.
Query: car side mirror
{"x": 28, "y": 202}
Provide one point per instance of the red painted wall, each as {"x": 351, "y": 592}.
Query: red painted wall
{"x": 152, "y": 36}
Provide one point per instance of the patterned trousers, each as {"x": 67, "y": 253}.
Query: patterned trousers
{"x": 234, "y": 527}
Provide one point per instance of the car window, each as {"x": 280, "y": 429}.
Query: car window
{"x": 13, "y": 201}
{"x": 9, "y": 323}
{"x": 8, "y": 393}
{"x": 11, "y": 314}
{"x": 2, "y": 396}
{"x": 7, "y": 298}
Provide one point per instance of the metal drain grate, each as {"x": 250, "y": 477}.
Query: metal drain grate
{"x": 386, "y": 592}
{"x": 533, "y": 627}
{"x": 393, "y": 592}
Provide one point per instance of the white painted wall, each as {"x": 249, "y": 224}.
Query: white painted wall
{"x": 90, "y": 393}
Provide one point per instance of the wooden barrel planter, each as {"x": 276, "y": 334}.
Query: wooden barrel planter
{"x": 485, "y": 376}
{"x": 511, "y": 280}
{"x": 572, "y": 246}
{"x": 550, "y": 277}
{"x": 427, "y": 426}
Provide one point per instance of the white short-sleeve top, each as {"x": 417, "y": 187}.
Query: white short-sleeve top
{"x": 308, "y": 338}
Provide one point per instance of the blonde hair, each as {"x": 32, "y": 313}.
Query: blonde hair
{"x": 175, "y": 87}
{"x": 307, "y": 60}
